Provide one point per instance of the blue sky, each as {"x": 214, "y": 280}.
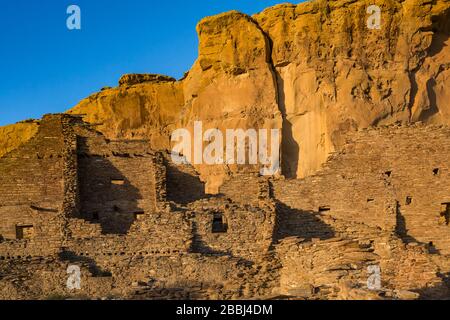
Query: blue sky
{"x": 46, "y": 68}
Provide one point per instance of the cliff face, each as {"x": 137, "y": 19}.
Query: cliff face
{"x": 231, "y": 86}
{"x": 142, "y": 106}
{"x": 15, "y": 135}
{"x": 334, "y": 74}
{"x": 315, "y": 70}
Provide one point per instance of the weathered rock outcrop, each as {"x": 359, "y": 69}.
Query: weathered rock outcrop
{"x": 142, "y": 107}
{"x": 336, "y": 75}
{"x": 315, "y": 70}
{"x": 132, "y": 79}
{"x": 231, "y": 85}
{"x": 15, "y": 135}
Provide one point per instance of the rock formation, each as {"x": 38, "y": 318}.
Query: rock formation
{"x": 336, "y": 75}
{"x": 314, "y": 70}
{"x": 15, "y": 135}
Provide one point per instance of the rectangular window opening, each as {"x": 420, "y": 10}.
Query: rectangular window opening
{"x": 139, "y": 215}
{"x": 219, "y": 225}
{"x": 24, "y": 232}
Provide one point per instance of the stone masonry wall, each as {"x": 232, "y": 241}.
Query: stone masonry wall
{"x": 340, "y": 268}
{"x": 116, "y": 181}
{"x": 243, "y": 188}
{"x": 393, "y": 178}
{"x": 140, "y": 226}
{"x": 33, "y": 173}
{"x": 183, "y": 183}
{"x": 223, "y": 227}
{"x": 32, "y": 193}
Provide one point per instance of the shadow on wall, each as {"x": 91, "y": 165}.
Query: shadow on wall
{"x": 440, "y": 291}
{"x": 302, "y": 224}
{"x": 200, "y": 246}
{"x": 107, "y": 197}
{"x": 95, "y": 270}
{"x": 401, "y": 231}
{"x": 184, "y": 185}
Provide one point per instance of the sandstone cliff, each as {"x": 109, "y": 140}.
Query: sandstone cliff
{"x": 314, "y": 69}
{"x": 15, "y": 135}
{"x": 335, "y": 75}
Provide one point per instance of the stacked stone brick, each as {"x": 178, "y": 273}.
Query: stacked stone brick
{"x": 141, "y": 227}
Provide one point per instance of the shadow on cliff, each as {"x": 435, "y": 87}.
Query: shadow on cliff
{"x": 441, "y": 29}
{"x": 290, "y": 149}
{"x": 302, "y": 224}
{"x": 107, "y": 197}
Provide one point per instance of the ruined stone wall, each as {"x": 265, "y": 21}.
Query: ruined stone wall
{"x": 175, "y": 276}
{"x": 340, "y": 269}
{"x": 83, "y": 229}
{"x": 111, "y": 249}
{"x": 244, "y": 188}
{"x": 319, "y": 267}
{"x": 46, "y": 279}
{"x": 222, "y": 226}
{"x": 161, "y": 232}
{"x": 140, "y": 226}
{"x": 32, "y": 193}
{"x": 393, "y": 178}
{"x": 183, "y": 183}
{"x": 116, "y": 181}
{"x": 32, "y": 174}
{"x": 29, "y": 231}
{"x": 116, "y": 190}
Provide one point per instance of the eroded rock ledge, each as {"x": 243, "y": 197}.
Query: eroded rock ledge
{"x": 133, "y": 79}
